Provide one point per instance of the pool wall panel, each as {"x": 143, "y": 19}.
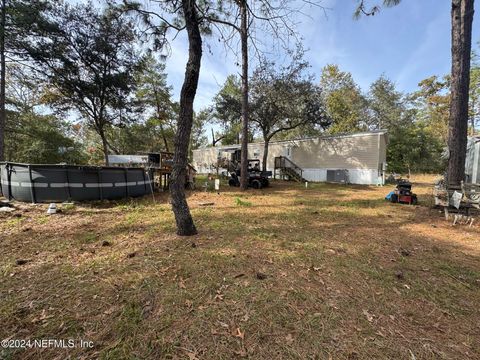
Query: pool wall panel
{"x": 58, "y": 183}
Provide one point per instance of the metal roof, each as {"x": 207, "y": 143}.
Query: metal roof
{"x": 335, "y": 136}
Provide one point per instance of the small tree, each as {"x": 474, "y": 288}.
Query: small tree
{"x": 32, "y": 135}
{"x": 387, "y": 105}
{"x": 345, "y": 104}
{"x": 198, "y": 137}
{"x": 474, "y": 103}
{"x": 153, "y": 94}
{"x": 283, "y": 100}
{"x": 431, "y": 104}
{"x": 474, "y": 96}
{"x": 89, "y": 60}
{"x": 227, "y": 111}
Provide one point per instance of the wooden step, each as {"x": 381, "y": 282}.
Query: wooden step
{"x": 293, "y": 174}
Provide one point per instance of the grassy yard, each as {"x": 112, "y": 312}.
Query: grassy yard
{"x": 328, "y": 272}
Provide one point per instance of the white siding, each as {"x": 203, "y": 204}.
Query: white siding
{"x": 346, "y": 152}
{"x": 355, "y": 176}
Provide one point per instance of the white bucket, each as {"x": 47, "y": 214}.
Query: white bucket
{"x": 52, "y": 209}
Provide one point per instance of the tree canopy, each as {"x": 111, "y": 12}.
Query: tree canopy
{"x": 91, "y": 84}
{"x": 89, "y": 60}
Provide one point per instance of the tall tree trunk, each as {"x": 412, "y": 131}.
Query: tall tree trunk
{"x": 104, "y": 146}
{"x": 462, "y": 17}
{"x": 159, "y": 117}
{"x": 3, "y": 114}
{"x": 265, "y": 153}
{"x": 244, "y": 41}
{"x": 165, "y": 141}
{"x": 183, "y": 218}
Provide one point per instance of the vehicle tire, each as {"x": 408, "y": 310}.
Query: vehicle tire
{"x": 256, "y": 184}
{"x": 232, "y": 182}
{"x": 394, "y": 198}
{"x": 265, "y": 183}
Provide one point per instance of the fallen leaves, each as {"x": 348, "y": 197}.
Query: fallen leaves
{"x": 43, "y": 316}
{"x": 218, "y": 297}
{"x": 181, "y": 284}
{"x": 110, "y": 310}
{"x": 239, "y": 333}
{"x": 368, "y": 315}
{"x": 192, "y": 355}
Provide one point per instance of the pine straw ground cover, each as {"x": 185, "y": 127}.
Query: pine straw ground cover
{"x": 328, "y": 272}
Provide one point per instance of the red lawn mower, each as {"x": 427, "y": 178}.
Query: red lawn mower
{"x": 403, "y": 193}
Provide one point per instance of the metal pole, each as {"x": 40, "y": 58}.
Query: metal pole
{"x": 100, "y": 184}
{"x": 151, "y": 188}
{"x": 144, "y": 184}
{"x": 9, "y": 180}
{"x": 126, "y": 181}
{"x": 69, "y": 195}
{"x": 32, "y": 187}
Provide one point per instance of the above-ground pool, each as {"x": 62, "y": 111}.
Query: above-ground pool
{"x": 58, "y": 183}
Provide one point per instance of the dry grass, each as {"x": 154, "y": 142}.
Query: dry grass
{"x": 326, "y": 272}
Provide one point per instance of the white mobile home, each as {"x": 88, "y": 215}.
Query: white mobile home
{"x": 357, "y": 158}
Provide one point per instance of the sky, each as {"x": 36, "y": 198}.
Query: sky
{"x": 406, "y": 43}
